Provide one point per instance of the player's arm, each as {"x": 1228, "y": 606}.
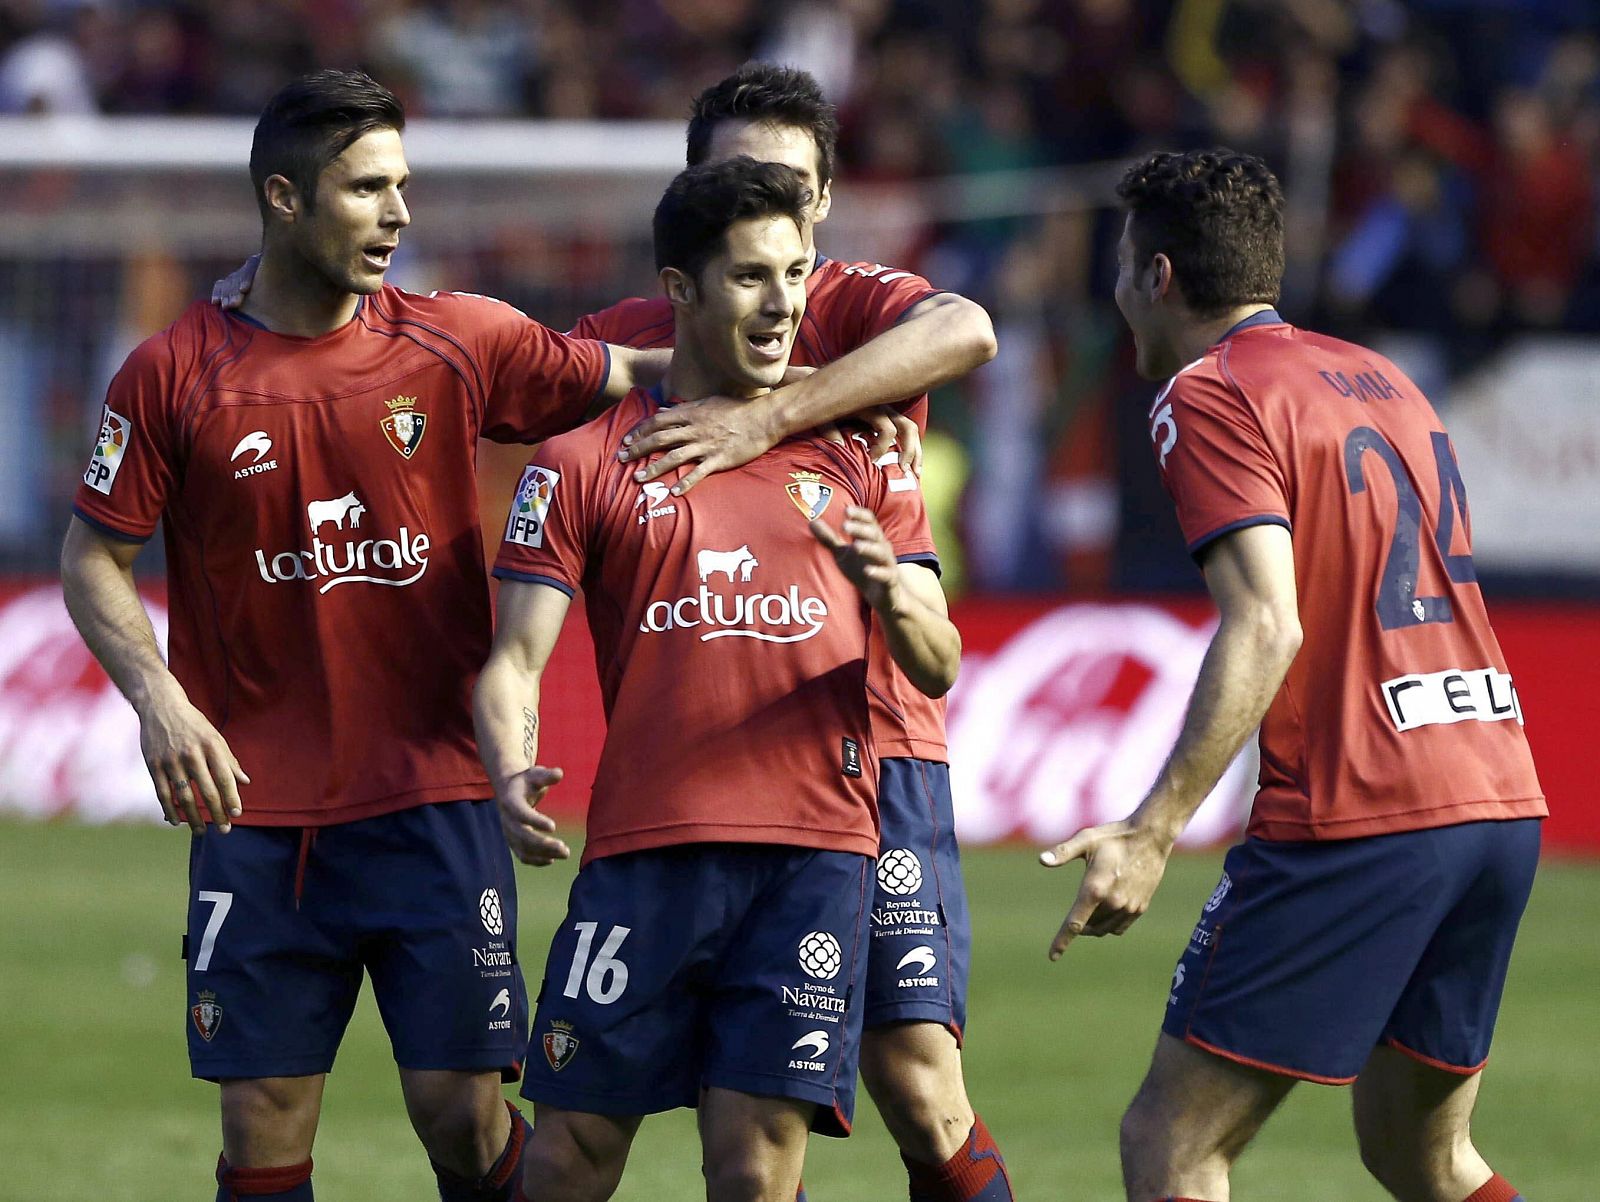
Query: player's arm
{"x": 183, "y": 751}
{"x": 633, "y": 368}
{"x": 1250, "y": 574}
{"x": 505, "y": 713}
{"x": 939, "y": 339}
{"x": 906, "y": 597}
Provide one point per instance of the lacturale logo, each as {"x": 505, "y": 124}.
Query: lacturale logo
{"x": 784, "y": 617}
{"x": 347, "y": 557}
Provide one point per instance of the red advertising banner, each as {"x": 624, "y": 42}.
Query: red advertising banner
{"x": 1062, "y": 716}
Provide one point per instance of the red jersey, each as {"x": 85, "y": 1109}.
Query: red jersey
{"x": 847, "y": 304}
{"x": 329, "y": 607}
{"x": 1398, "y": 713}
{"x": 731, "y": 649}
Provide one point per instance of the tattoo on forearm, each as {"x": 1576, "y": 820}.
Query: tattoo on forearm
{"x": 530, "y": 728}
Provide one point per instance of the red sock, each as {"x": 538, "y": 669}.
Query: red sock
{"x": 976, "y": 1173}
{"x": 292, "y": 1183}
{"x": 1496, "y": 1189}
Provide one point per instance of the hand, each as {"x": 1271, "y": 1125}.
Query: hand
{"x": 864, "y": 555}
{"x": 191, "y": 765}
{"x": 229, "y": 292}
{"x": 528, "y": 831}
{"x": 890, "y": 429}
{"x": 1123, "y": 865}
{"x": 716, "y": 434}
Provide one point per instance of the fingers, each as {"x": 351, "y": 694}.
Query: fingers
{"x": 1077, "y": 920}
{"x": 183, "y": 800}
{"x": 824, "y": 534}
{"x": 910, "y": 439}
{"x": 656, "y": 433}
{"x": 169, "y": 807}
{"x": 1073, "y": 849}
{"x": 831, "y": 432}
{"x": 710, "y": 465}
{"x": 529, "y": 832}
{"x": 201, "y": 782}
{"x": 881, "y": 422}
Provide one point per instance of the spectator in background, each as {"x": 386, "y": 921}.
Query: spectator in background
{"x": 47, "y": 69}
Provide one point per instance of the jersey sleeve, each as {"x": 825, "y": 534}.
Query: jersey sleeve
{"x": 547, "y": 531}
{"x": 637, "y": 322}
{"x": 902, "y": 512}
{"x": 868, "y": 299}
{"x": 535, "y": 382}
{"x": 133, "y": 467}
{"x": 1215, "y": 460}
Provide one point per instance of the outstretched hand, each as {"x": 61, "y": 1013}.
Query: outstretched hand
{"x": 1123, "y": 865}
{"x": 529, "y": 831}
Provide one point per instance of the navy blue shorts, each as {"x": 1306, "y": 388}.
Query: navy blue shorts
{"x": 712, "y": 964}
{"x": 1310, "y": 954}
{"x": 921, "y": 931}
{"x": 283, "y": 921}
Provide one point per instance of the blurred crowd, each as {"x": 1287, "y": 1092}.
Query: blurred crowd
{"x": 1440, "y": 158}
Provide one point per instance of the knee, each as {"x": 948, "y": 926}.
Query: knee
{"x": 462, "y": 1129}
{"x": 1140, "y": 1135}
{"x": 269, "y": 1121}
{"x": 917, "y": 1086}
{"x": 1399, "y": 1163}
{"x": 566, "y": 1160}
{"x": 740, "y": 1179}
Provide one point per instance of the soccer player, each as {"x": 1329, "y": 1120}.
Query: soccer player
{"x": 715, "y": 936}
{"x": 311, "y": 458}
{"x": 888, "y": 334}
{"x": 1361, "y": 932}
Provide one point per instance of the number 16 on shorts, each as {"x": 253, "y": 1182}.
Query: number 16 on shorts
{"x": 605, "y": 977}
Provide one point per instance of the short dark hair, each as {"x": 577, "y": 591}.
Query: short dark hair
{"x": 701, "y": 203}
{"x": 311, "y": 122}
{"x": 771, "y": 94}
{"x": 1218, "y": 216}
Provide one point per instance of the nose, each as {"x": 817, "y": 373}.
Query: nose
{"x": 397, "y": 216}
{"x": 775, "y": 301}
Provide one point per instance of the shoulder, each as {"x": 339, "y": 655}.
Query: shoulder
{"x": 858, "y": 275}
{"x": 644, "y": 321}
{"x": 448, "y": 312}
{"x": 1204, "y": 385}
{"x": 591, "y": 446}
{"x": 181, "y": 351}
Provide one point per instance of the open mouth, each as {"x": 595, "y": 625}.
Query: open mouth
{"x": 768, "y": 344}
{"x": 378, "y": 256}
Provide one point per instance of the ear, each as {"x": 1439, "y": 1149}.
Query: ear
{"x": 678, "y": 286}
{"x": 1160, "y": 276}
{"x": 824, "y": 203}
{"x": 283, "y": 198}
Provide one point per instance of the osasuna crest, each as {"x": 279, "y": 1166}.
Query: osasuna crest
{"x": 207, "y": 1015}
{"x": 560, "y": 1045}
{"x": 809, "y": 493}
{"x": 404, "y": 426}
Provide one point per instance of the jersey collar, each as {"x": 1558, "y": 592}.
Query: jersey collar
{"x": 1267, "y": 317}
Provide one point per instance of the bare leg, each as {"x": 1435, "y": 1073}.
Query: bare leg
{"x": 575, "y": 1157}
{"x": 270, "y": 1122}
{"x": 753, "y": 1147}
{"x": 1190, "y": 1120}
{"x": 1414, "y": 1124}
{"x": 913, "y": 1072}
{"x": 461, "y": 1118}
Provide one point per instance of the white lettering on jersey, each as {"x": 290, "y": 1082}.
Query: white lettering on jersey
{"x": 769, "y": 617}
{"x": 110, "y": 449}
{"x": 354, "y": 561}
{"x": 531, "y": 506}
{"x": 1453, "y": 695}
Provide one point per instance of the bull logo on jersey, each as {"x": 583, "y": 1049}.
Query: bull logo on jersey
{"x": 207, "y": 1015}
{"x": 109, "y": 445}
{"x": 809, "y": 494}
{"x": 560, "y": 1045}
{"x": 404, "y": 426}
{"x": 769, "y": 617}
{"x": 710, "y": 563}
{"x": 531, "y": 506}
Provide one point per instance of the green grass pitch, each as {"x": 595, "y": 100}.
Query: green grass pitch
{"x": 96, "y": 1099}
